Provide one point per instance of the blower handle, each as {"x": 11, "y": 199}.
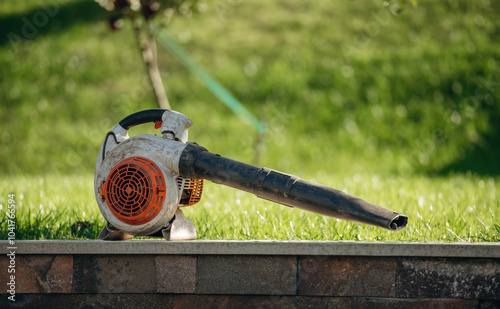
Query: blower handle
{"x": 145, "y": 116}
{"x": 120, "y": 131}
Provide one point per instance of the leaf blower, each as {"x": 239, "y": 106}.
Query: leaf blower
{"x": 141, "y": 182}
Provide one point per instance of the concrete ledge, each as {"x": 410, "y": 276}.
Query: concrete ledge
{"x": 211, "y": 247}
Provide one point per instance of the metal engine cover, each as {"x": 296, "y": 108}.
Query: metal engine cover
{"x": 136, "y": 182}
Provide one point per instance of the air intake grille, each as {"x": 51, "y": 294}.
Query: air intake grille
{"x": 135, "y": 190}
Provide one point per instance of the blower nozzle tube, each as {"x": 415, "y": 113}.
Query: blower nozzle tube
{"x": 197, "y": 162}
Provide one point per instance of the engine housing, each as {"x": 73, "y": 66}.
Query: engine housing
{"x": 136, "y": 186}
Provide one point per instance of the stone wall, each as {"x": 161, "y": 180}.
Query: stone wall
{"x": 261, "y": 274}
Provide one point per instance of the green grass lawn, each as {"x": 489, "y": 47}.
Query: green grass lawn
{"x": 458, "y": 208}
{"x": 400, "y": 110}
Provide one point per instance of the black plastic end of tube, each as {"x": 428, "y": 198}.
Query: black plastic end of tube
{"x": 188, "y": 159}
{"x": 399, "y": 222}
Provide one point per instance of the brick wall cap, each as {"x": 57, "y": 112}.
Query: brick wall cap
{"x": 256, "y": 247}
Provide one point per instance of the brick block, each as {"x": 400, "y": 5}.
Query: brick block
{"x": 103, "y": 301}
{"x": 175, "y": 274}
{"x": 292, "y": 302}
{"x": 347, "y": 276}
{"x": 39, "y": 273}
{"x": 448, "y": 278}
{"x": 489, "y": 304}
{"x": 114, "y": 274}
{"x": 408, "y": 303}
{"x": 265, "y": 275}
{"x": 226, "y": 301}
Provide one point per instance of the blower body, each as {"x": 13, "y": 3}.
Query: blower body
{"x": 141, "y": 182}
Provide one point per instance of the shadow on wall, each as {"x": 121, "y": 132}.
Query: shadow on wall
{"x": 47, "y": 18}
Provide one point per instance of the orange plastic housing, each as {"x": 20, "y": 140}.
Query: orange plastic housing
{"x": 134, "y": 190}
{"x": 196, "y": 187}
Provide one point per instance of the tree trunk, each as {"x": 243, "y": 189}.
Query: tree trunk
{"x": 147, "y": 44}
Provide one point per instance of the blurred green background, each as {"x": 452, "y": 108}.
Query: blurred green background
{"x": 348, "y": 89}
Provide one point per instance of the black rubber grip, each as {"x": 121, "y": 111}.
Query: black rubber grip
{"x": 145, "y": 116}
